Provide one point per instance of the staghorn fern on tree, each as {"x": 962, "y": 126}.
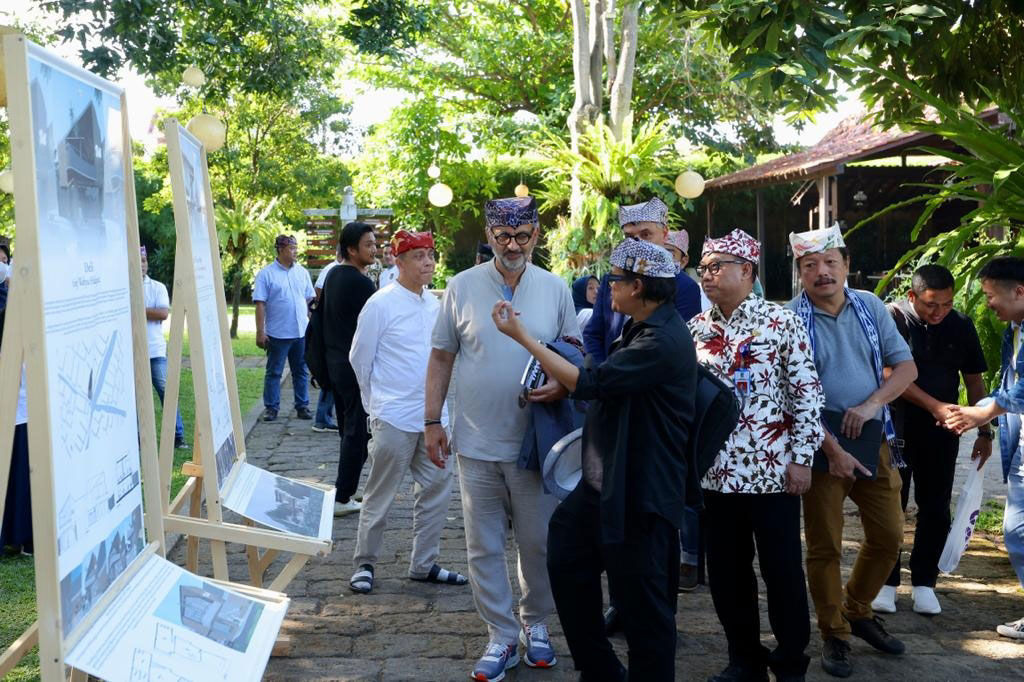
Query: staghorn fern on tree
{"x": 611, "y": 171}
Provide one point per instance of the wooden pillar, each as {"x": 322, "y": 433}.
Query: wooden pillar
{"x": 823, "y": 197}
{"x": 710, "y": 218}
{"x": 760, "y": 231}
{"x": 833, "y": 199}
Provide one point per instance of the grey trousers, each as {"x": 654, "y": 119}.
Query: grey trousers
{"x": 392, "y": 453}
{"x": 493, "y": 492}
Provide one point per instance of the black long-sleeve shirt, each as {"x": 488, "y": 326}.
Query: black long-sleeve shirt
{"x": 345, "y": 293}
{"x": 639, "y": 419}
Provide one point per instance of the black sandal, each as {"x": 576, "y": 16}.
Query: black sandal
{"x": 362, "y": 580}
{"x": 442, "y": 576}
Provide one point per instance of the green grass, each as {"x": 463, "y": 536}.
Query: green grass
{"x": 17, "y": 573}
{"x": 18, "y": 602}
{"x": 990, "y": 520}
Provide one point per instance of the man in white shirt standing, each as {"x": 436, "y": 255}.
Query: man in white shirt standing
{"x": 389, "y": 357}
{"x": 158, "y": 307}
{"x": 390, "y": 272}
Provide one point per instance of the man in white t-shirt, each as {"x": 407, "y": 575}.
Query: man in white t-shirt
{"x": 390, "y": 272}
{"x": 389, "y": 358}
{"x": 158, "y": 307}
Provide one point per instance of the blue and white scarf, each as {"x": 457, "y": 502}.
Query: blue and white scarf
{"x": 867, "y": 322}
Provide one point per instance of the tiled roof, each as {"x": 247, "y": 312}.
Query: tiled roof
{"x": 854, "y": 139}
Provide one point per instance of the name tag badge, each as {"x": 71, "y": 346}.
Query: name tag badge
{"x": 741, "y": 381}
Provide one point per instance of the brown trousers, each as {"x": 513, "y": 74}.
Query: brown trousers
{"x": 878, "y": 502}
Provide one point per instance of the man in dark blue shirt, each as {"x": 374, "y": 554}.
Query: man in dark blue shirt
{"x": 647, "y": 221}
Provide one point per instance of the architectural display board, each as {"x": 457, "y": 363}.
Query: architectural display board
{"x": 298, "y": 514}
{"x": 76, "y": 324}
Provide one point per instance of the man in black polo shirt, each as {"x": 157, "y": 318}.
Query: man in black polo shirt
{"x": 945, "y": 345}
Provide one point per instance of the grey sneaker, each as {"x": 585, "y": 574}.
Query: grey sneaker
{"x": 269, "y": 415}
{"x": 1014, "y": 630}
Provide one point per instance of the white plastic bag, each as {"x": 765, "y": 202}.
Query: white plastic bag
{"x": 967, "y": 509}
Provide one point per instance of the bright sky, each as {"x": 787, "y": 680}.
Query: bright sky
{"x": 369, "y": 105}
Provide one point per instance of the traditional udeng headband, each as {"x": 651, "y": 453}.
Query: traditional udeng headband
{"x": 643, "y": 258}
{"x": 406, "y": 241}
{"x": 511, "y": 212}
{"x": 736, "y": 243}
{"x": 653, "y": 211}
{"x": 816, "y": 241}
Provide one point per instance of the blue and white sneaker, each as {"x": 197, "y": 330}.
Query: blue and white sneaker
{"x": 539, "y": 652}
{"x": 496, "y": 660}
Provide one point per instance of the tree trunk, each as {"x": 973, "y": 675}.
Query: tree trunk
{"x": 609, "y": 42}
{"x": 596, "y": 48}
{"x": 236, "y": 298}
{"x": 620, "y": 108}
{"x": 583, "y": 110}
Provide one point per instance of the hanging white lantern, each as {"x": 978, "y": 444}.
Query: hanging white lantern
{"x": 440, "y": 195}
{"x": 7, "y": 181}
{"x": 209, "y": 130}
{"x": 689, "y": 184}
{"x": 522, "y": 190}
{"x": 193, "y": 77}
{"x": 433, "y": 172}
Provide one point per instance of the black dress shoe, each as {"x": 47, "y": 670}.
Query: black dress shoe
{"x": 740, "y": 673}
{"x": 835, "y": 657}
{"x": 612, "y": 622}
{"x": 871, "y": 630}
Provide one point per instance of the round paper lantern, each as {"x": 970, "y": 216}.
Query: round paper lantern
{"x": 433, "y": 172}
{"x": 7, "y": 181}
{"x": 193, "y": 77}
{"x": 440, "y": 195}
{"x": 689, "y": 185}
{"x": 522, "y": 190}
{"x": 209, "y": 130}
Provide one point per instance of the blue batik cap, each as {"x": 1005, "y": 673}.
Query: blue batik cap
{"x": 643, "y": 258}
{"x": 511, "y": 212}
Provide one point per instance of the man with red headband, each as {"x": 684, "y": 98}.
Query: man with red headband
{"x": 389, "y": 358}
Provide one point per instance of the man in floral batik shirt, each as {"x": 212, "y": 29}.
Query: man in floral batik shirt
{"x": 752, "y": 492}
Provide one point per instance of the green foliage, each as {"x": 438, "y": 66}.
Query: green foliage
{"x": 990, "y": 520}
{"x": 490, "y": 60}
{"x": 611, "y": 172}
{"x": 392, "y": 173}
{"x": 797, "y": 49}
{"x": 989, "y": 172}
{"x": 243, "y": 46}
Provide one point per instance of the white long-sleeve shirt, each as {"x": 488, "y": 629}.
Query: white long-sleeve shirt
{"x": 389, "y": 355}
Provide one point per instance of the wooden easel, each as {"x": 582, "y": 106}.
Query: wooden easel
{"x": 197, "y": 265}
{"x": 26, "y": 341}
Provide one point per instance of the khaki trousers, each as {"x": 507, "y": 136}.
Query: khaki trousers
{"x": 878, "y": 502}
{"x": 493, "y": 493}
{"x": 394, "y": 452}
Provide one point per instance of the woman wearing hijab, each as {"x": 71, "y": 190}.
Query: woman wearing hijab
{"x": 584, "y": 293}
{"x": 623, "y": 518}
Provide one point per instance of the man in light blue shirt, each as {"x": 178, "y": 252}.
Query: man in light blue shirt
{"x": 282, "y": 292}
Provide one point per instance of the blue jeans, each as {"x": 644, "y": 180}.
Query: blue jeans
{"x": 158, "y": 370}
{"x": 278, "y": 350}
{"x": 324, "y": 406}
{"x": 1013, "y": 517}
{"x": 689, "y": 537}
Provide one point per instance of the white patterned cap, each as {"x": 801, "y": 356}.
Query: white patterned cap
{"x": 643, "y": 258}
{"x": 736, "y": 243}
{"x": 816, "y": 241}
{"x": 679, "y": 239}
{"x": 653, "y": 211}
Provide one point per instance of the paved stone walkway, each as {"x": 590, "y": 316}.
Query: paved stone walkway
{"x": 410, "y": 631}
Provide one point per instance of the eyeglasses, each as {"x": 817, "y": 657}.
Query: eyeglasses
{"x": 503, "y": 238}
{"x": 716, "y": 267}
